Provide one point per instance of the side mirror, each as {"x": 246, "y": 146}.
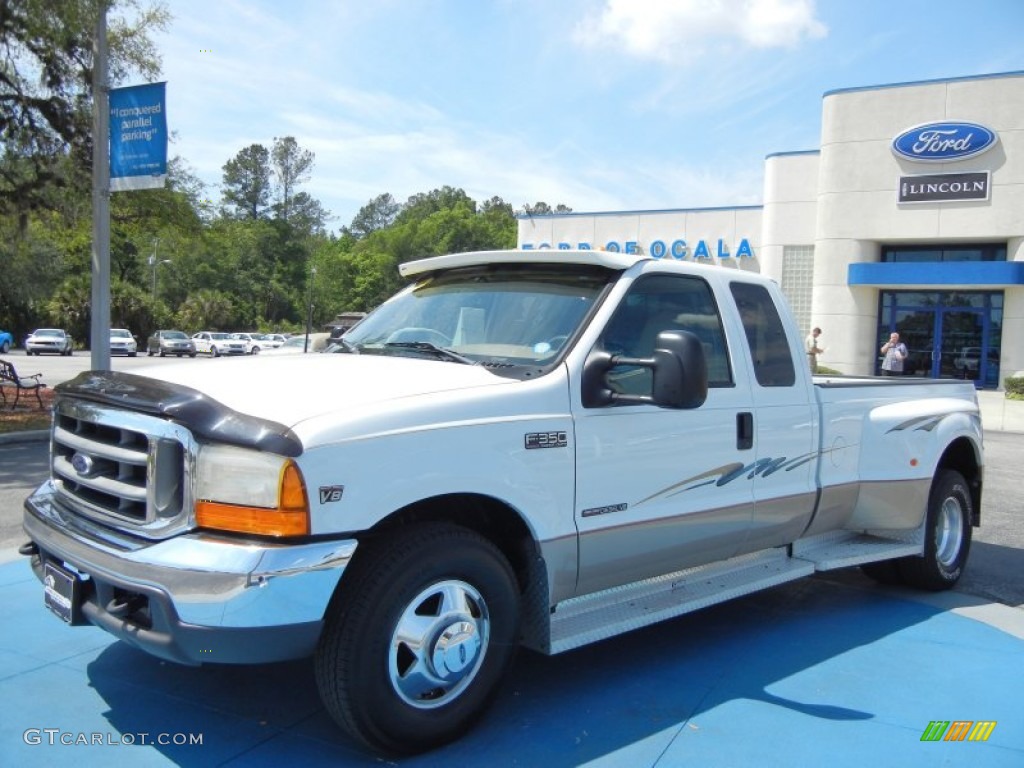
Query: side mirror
{"x": 679, "y": 373}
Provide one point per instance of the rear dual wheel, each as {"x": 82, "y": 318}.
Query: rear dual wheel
{"x": 947, "y": 540}
{"x": 419, "y": 637}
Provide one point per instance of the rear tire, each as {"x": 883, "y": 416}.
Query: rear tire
{"x": 419, "y": 637}
{"x": 947, "y": 535}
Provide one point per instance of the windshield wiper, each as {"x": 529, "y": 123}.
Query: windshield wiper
{"x": 439, "y": 352}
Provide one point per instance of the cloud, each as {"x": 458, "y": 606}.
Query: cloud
{"x": 683, "y": 30}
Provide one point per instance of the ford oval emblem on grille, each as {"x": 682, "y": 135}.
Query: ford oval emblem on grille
{"x": 83, "y": 464}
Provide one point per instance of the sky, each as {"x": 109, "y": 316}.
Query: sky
{"x": 600, "y": 105}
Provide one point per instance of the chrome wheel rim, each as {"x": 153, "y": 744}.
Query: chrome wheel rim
{"x": 949, "y": 532}
{"x": 438, "y": 644}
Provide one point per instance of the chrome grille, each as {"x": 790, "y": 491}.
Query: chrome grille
{"x": 125, "y": 469}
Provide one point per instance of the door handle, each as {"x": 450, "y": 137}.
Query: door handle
{"x": 744, "y": 431}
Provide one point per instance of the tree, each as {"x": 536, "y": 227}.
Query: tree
{"x": 247, "y": 182}
{"x": 376, "y": 214}
{"x": 292, "y": 166}
{"x": 419, "y": 207}
{"x": 46, "y": 89}
{"x": 307, "y": 216}
{"x": 541, "y": 209}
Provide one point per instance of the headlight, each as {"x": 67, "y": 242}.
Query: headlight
{"x": 250, "y": 492}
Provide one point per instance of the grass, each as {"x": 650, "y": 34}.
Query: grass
{"x": 28, "y": 415}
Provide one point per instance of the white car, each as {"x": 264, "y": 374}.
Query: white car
{"x": 253, "y": 342}
{"x": 216, "y": 343}
{"x": 296, "y": 345}
{"x": 272, "y": 340}
{"x": 49, "y": 340}
{"x": 122, "y": 342}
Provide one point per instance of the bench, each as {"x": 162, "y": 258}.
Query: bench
{"x": 9, "y": 379}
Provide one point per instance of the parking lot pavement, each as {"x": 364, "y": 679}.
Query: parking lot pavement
{"x": 814, "y": 672}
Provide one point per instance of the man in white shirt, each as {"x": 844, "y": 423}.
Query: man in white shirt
{"x": 814, "y": 348}
{"x": 895, "y": 352}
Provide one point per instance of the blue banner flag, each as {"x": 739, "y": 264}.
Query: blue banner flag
{"x": 138, "y": 137}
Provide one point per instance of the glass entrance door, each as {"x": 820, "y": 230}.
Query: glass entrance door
{"x": 948, "y": 334}
{"x": 960, "y": 345}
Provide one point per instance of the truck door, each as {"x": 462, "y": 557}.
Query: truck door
{"x": 655, "y": 487}
{"x": 783, "y": 424}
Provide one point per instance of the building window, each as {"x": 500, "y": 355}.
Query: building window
{"x": 798, "y": 282}
{"x": 892, "y": 254}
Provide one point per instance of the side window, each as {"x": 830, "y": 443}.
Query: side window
{"x": 659, "y": 303}
{"x": 766, "y": 338}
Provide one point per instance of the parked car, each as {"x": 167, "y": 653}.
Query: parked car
{"x": 6, "y": 342}
{"x": 217, "y": 343}
{"x": 296, "y": 345}
{"x": 969, "y": 359}
{"x": 253, "y": 342}
{"x": 170, "y": 343}
{"x": 122, "y": 342}
{"x": 54, "y": 340}
{"x": 272, "y": 340}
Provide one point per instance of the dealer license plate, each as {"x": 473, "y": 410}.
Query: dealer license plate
{"x": 60, "y": 591}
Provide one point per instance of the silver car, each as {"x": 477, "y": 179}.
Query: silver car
{"x": 122, "y": 342}
{"x": 54, "y": 340}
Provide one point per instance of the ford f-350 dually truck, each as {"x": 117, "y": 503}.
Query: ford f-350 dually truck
{"x": 537, "y": 448}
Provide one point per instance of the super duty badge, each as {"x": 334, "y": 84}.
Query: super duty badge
{"x": 546, "y": 440}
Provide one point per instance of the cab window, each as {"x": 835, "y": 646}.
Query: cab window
{"x": 657, "y": 303}
{"x": 766, "y": 336}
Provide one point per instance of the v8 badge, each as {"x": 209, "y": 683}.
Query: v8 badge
{"x": 329, "y": 493}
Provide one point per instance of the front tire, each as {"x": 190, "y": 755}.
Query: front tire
{"x": 947, "y": 535}
{"x": 418, "y": 638}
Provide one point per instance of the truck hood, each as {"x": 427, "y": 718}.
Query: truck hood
{"x": 289, "y": 389}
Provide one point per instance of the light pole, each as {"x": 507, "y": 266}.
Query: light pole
{"x": 154, "y": 262}
{"x": 309, "y": 313}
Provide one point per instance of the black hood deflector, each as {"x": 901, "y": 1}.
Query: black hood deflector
{"x": 205, "y": 417}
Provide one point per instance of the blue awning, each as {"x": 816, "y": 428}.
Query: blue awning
{"x": 993, "y": 274}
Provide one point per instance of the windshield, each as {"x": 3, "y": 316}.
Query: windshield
{"x": 116, "y": 334}
{"x": 175, "y": 335}
{"x": 505, "y": 316}
{"x": 48, "y": 332}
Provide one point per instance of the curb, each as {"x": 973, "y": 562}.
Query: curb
{"x": 30, "y": 436}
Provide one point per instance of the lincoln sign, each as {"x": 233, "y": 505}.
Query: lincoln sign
{"x": 944, "y": 187}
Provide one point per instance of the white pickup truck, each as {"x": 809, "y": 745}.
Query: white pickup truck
{"x": 538, "y": 448}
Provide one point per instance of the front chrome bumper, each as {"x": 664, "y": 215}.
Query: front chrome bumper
{"x": 197, "y": 597}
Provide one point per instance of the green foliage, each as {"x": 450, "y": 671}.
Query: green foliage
{"x": 174, "y": 260}
{"x": 1014, "y": 386}
{"x": 46, "y": 87}
{"x": 247, "y": 183}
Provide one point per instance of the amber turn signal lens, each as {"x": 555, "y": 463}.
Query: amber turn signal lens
{"x": 290, "y": 518}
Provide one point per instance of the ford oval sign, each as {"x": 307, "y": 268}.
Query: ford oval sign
{"x": 942, "y": 142}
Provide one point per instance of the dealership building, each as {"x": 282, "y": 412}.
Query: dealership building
{"x": 908, "y": 218}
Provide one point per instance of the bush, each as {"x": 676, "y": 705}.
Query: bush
{"x": 825, "y": 371}
{"x": 1014, "y": 386}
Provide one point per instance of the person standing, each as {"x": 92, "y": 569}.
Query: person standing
{"x": 895, "y": 352}
{"x": 813, "y": 348}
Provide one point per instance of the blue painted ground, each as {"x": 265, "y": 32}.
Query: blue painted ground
{"x": 812, "y": 673}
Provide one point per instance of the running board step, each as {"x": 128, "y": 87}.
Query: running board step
{"x": 587, "y": 619}
{"x": 590, "y": 618}
{"x": 842, "y": 549}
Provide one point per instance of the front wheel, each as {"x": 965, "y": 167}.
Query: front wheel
{"x": 947, "y": 535}
{"x": 418, "y": 638}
